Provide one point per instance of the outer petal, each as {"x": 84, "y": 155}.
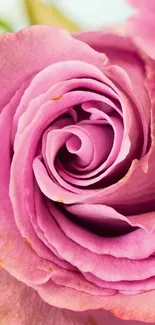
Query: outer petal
{"x": 21, "y": 305}
{"x": 10, "y": 239}
{"x": 119, "y": 49}
{"x": 141, "y": 28}
{"x": 24, "y": 54}
{"x": 37, "y": 47}
{"x": 138, "y": 307}
{"x": 145, "y": 4}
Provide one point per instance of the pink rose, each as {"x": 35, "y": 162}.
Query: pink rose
{"x": 77, "y": 185}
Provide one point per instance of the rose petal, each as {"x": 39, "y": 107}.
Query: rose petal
{"x": 12, "y": 239}
{"x": 122, "y": 52}
{"x": 138, "y": 307}
{"x": 91, "y": 152}
{"x": 142, "y": 4}
{"x": 141, "y": 243}
{"x": 15, "y": 250}
{"x": 84, "y": 259}
{"x": 140, "y": 27}
{"x": 22, "y": 305}
{"x": 39, "y": 92}
{"x": 142, "y": 110}
{"x": 140, "y": 176}
{"x": 34, "y": 48}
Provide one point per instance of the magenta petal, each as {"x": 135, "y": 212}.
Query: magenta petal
{"x": 140, "y": 175}
{"x": 11, "y": 240}
{"x": 90, "y": 151}
{"x": 22, "y": 305}
{"x": 141, "y": 242}
{"x": 140, "y": 27}
{"x": 88, "y": 261}
{"x": 140, "y": 307}
{"x": 40, "y": 244}
{"x": 142, "y": 111}
{"x": 122, "y": 52}
{"x": 51, "y": 189}
{"x": 38, "y": 47}
{"x": 142, "y": 4}
{"x": 52, "y": 76}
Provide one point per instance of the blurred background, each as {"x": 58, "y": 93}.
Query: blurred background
{"x": 73, "y": 15}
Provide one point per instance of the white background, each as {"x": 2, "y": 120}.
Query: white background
{"x": 87, "y": 13}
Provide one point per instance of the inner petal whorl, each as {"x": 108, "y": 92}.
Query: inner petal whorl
{"x": 73, "y": 144}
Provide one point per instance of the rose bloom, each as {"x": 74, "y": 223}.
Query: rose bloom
{"x": 77, "y": 175}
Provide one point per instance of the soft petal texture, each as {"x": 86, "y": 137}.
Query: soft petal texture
{"x": 130, "y": 307}
{"x": 141, "y": 29}
{"x": 65, "y": 98}
{"x": 21, "y": 305}
{"x": 142, "y": 4}
{"x": 122, "y": 52}
{"x": 10, "y": 238}
{"x": 37, "y": 47}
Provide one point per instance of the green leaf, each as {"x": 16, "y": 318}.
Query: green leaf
{"x": 48, "y": 14}
{"x": 5, "y": 26}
